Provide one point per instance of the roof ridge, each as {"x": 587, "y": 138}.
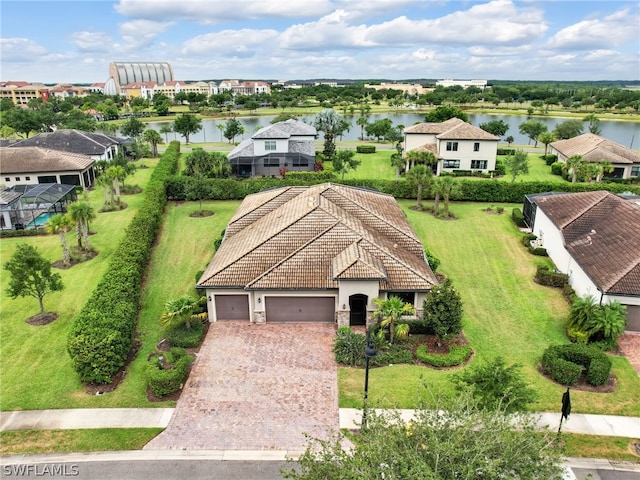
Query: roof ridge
{"x": 400, "y": 260}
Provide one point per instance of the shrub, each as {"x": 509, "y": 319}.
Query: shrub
{"x": 31, "y": 232}
{"x": 461, "y": 173}
{"x": 518, "y": 218}
{"x": 443, "y": 310}
{"x": 539, "y": 251}
{"x": 392, "y": 354}
{"x": 550, "y": 159}
{"x": 432, "y": 260}
{"x": 311, "y": 177}
{"x": 217, "y": 242}
{"x": 556, "y": 168}
{"x": 549, "y": 278}
{"x": 527, "y": 238}
{"x": 163, "y": 381}
{"x": 564, "y": 364}
{"x": 506, "y": 151}
{"x": 576, "y": 335}
{"x": 184, "y": 337}
{"x": 501, "y": 169}
{"x": 366, "y": 149}
{"x": 349, "y": 347}
{"x": 456, "y": 356}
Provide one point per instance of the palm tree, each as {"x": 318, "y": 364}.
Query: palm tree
{"x": 398, "y": 161}
{"x": 390, "y": 311}
{"x": 329, "y": 122}
{"x": 438, "y": 190}
{"x": 104, "y": 182}
{"x": 178, "y": 312}
{"x": 419, "y": 175}
{"x": 449, "y": 187}
{"x": 602, "y": 168}
{"x": 362, "y": 121}
{"x": 115, "y": 174}
{"x": 153, "y": 138}
{"x": 61, "y": 224}
{"x": 573, "y": 164}
{"x": 421, "y": 157}
{"x": 82, "y": 213}
{"x": 546, "y": 138}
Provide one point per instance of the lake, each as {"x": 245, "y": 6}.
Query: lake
{"x": 624, "y": 133}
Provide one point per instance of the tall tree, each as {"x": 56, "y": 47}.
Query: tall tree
{"x": 362, "y": 122}
{"x": 187, "y": 124}
{"x": 546, "y": 138}
{"x": 390, "y": 311}
{"x": 568, "y": 129}
{"x": 232, "y": 128}
{"x": 82, "y": 213}
{"x": 166, "y": 129}
{"x": 153, "y": 138}
{"x": 594, "y": 123}
{"x": 31, "y": 275}
{"x": 60, "y": 224}
{"x": 421, "y": 176}
{"x": 573, "y": 165}
{"x": 532, "y": 129}
{"x": 132, "y": 128}
{"x": 445, "y": 112}
{"x": 495, "y": 127}
{"x": 517, "y": 164}
{"x": 330, "y": 123}
{"x": 344, "y": 160}
{"x": 198, "y": 163}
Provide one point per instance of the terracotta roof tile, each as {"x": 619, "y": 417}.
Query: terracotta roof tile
{"x": 36, "y": 159}
{"x": 594, "y": 148}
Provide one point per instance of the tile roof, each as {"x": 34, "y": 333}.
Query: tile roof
{"x": 601, "y": 232}
{"x": 452, "y": 129}
{"x": 594, "y": 148}
{"x": 36, "y": 159}
{"x": 7, "y": 197}
{"x": 311, "y": 237}
{"x": 74, "y": 141}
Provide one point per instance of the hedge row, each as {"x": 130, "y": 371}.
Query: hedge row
{"x": 546, "y": 276}
{"x": 564, "y": 364}
{"x": 102, "y": 333}
{"x": 456, "y": 356}
{"x": 29, "y": 232}
{"x": 366, "y": 149}
{"x": 163, "y": 381}
{"x": 473, "y": 191}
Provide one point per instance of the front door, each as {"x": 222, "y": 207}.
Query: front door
{"x": 358, "y": 306}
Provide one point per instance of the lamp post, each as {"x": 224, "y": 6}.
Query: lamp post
{"x": 369, "y": 352}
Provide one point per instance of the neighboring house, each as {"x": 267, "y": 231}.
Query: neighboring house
{"x": 315, "y": 254}
{"x": 594, "y": 148}
{"x": 289, "y": 145}
{"x": 457, "y": 145}
{"x": 95, "y": 145}
{"x": 34, "y": 165}
{"x": 31, "y": 206}
{"x": 594, "y": 237}
{"x": 9, "y": 207}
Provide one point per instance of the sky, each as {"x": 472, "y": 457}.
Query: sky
{"x": 74, "y": 41}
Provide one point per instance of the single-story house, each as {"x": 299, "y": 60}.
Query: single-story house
{"x": 456, "y": 144}
{"x": 596, "y": 149}
{"x": 288, "y": 145}
{"x": 34, "y": 165}
{"x": 95, "y": 145}
{"x": 9, "y": 206}
{"x": 594, "y": 237}
{"x": 315, "y": 254}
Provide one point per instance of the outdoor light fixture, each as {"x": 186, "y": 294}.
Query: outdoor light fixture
{"x": 369, "y": 352}
{"x": 209, "y": 297}
{"x": 259, "y": 299}
{"x": 344, "y": 307}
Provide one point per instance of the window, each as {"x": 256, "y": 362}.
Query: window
{"x": 478, "y": 164}
{"x": 476, "y": 147}
{"x": 635, "y": 171}
{"x": 406, "y": 297}
{"x": 27, "y": 178}
{"x": 300, "y": 162}
{"x": 452, "y": 146}
{"x": 7, "y": 179}
{"x": 17, "y": 179}
{"x": 270, "y": 145}
{"x": 451, "y": 164}
{"x": 272, "y": 162}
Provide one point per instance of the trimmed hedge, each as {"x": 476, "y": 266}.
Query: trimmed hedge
{"x": 456, "y": 356}
{"x": 564, "y": 364}
{"x": 324, "y": 176}
{"x": 366, "y": 149}
{"x": 30, "y": 232}
{"x": 164, "y": 382}
{"x": 101, "y": 335}
{"x": 550, "y": 159}
{"x": 506, "y": 151}
{"x": 547, "y": 277}
{"x": 556, "y": 168}
{"x": 539, "y": 251}
{"x": 184, "y": 337}
{"x": 518, "y": 217}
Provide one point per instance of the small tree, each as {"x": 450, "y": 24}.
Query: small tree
{"x": 197, "y": 189}
{"x": 495, "y": 386}
{"x": 132, "y": 128}
{"x": 573, "y": 166}
{"x": 153, "y": 138}
{"x": 532, "y": 129}
{"x": 344, "y": 161}
{"x": 495, "y": 127}
{"x": 442, "y": 310}
{"x": 61, "y": 224}
{"x": 178, "y": 312}
{"x": 568, "y": 129}
{"x": 82, "y": 214}
{"x": 187, "y": 124}
{"x": 31, "y": 275}
{"x": 390, "y": 311}
{"x": 419, "y": 175}
{"x": 232, "y": 128}
{"x": 517, "y": 164}
{"x": 448, "y": 188}
{"x": 546, "y": 138}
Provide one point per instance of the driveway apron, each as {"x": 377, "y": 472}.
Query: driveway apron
{"x": 257, "y": 387}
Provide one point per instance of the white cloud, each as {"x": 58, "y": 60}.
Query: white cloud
{"x": 230, "y": 43}
{"x": 610, "y": 31}
{"x": 20, "y": 49}
{"x": 331, "y": 31}
{"x": 92, "y": 41}
{"x": 141, "y": 33}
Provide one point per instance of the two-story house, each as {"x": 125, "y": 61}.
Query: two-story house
{"x": 456, "y": 144}
{"x": 288, "y": 145}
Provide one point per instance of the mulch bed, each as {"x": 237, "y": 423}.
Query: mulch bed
{"x": 86, "y": 257}
{"x": 42, "y": 318}
{"x": 202, "y": 214}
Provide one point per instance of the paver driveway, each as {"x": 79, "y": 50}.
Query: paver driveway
{"x": 257, "y": 387}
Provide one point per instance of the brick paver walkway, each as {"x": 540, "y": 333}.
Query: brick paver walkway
{"x": 257, "y": 387}
{"x": 629, "y": 345}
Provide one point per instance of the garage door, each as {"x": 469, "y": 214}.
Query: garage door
{"x": 633, "y": 318}
{"x": 300, "y": 309}
{"x": 232, "y": 307}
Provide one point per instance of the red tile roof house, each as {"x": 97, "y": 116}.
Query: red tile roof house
{"x": 594, "y": 148}
{"x": 315, "y": 254}
{"x": 594, "y": 237}
{"x": 456, "y": 144}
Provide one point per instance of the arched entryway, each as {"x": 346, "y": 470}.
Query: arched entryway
{"x": 358, "y": 307}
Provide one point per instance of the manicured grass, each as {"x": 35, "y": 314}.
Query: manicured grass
{"x": 599, "y": 446}
{"x": 36, "y": 370}
{"x": 91, "y": 440}
{"x": 506, "y": 314}
{"x": 376, "y": 166}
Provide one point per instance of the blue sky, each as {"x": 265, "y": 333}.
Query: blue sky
{"x": 74, "y": 41}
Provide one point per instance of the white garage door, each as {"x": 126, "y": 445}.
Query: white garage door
{"x": 300, "y": 309}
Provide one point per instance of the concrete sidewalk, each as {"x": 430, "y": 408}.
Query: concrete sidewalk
{"x": 350, "y": 418}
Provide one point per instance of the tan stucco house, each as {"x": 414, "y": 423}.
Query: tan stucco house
{"x": 315, "y": 254}
{"x": 596, "y": 149}
{"x": 456, "y": 144}
{"x": 593, "y": 237}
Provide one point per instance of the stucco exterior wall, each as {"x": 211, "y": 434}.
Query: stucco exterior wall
{"x": 487, "y": 151}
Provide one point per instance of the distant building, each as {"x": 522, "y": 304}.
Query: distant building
{"x": 20, "y": 93}
{"x": 406, "y": 88}
{"x": 243, "y": 88}
{"x": 481, "y": 84}
{"x": 124, "y": 73}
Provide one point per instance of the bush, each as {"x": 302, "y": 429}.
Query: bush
{"x": 366, "y": 149}
{"x": 349, "y": 347}
{"x": 556, "y": 168}
{"x": 564, "y": 364}
{"x": 576, "y": 335}
{"x": 31, "y": 232}
{"x": 518, "y": 218}
{"x": 506, "y": 151}
{"x": 550, "y": 159}
{"x": 456, "y": 356}
{"x": 549, "y": 278}
{"x": 165, "y": 382}
{"x": 442, "y": 310}
{"x": 184, "y": 337}
{"x": 527, "y": 238}
{"x": 392, "y": 354}
{"x": 501, "y": 169}
{"x": 539, "y": 251}
{"x": 311, "y": 177}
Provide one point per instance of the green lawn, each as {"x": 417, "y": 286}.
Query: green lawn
{"x": 376, "y": 166}
{"x": 506, "y": 314}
